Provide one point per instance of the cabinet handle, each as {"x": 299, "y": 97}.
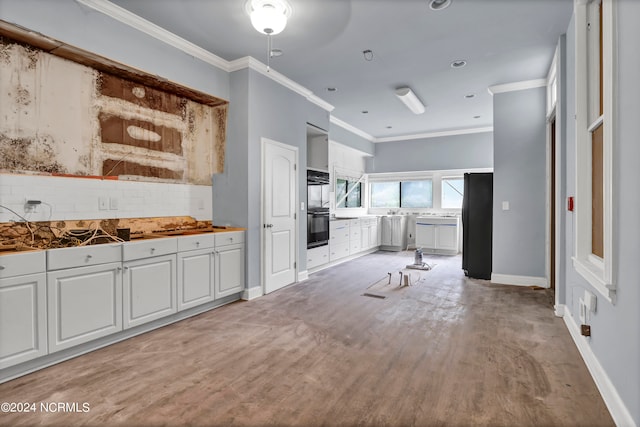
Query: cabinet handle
{"x": 197, "y": 243}
{"x": 126, "y": 268}
{"x": 119, "y": 268}
{"x": 88, "y": 258}
{"x": 1, "y": 267}
{"x": 153, "y": 250}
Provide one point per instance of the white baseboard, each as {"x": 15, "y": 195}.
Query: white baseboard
{"x": 559, "y": 310}
{"x": 252, "y": 293}
{"x": 509, "y": 279}
{"x": 618, "y": 410}
{"x": 303, "y": 275}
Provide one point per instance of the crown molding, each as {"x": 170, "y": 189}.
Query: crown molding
{"x": 128, "y": 18}
{"x": 253, "y": 64}
{"x": 434, "y": 134}
{"x": 352, "y": 129}
{"x": 124, "y": 16}
{"x": 511, "y": 87}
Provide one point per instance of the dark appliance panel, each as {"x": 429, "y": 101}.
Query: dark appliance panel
{"x": 477, "y": 225}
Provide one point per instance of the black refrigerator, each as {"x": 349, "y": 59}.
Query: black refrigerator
{"x": 477, "y": 224}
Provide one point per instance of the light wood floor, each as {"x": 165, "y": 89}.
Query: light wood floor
{"x": 448, "y": 351}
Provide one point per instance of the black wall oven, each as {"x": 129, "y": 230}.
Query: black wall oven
{"x": 317, "y": 208}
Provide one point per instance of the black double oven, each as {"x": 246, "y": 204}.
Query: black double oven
{"x": 317, "y": 208}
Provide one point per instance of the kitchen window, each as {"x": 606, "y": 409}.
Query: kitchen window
{"x": 348, "y": 193}
{"x": 452, "y": 193}
{"x": 402, "y": 194}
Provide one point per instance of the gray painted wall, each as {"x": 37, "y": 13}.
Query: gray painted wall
{"x": 279, "y": 114}
{"x": 615, "y": 339}
{"x": 519, "y": 177}
{"x": 440, "y": 153}
{"x": 77, "y": 25}
{"x": 345, "y": 137}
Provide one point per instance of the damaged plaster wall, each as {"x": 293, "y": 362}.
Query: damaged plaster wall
{"x": 60, "y": 117}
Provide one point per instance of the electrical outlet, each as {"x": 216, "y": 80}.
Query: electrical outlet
{"x": 113, "y": 203}
{"x": 103, "y": 203}
{"x": 585, "y": 330}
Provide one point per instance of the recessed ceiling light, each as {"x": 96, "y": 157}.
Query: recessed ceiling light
{"x": 389, "y": 127}
{"x": 365, "y": 112}
{"x": 439, "y": 4}
{"x": 332, "y": 89}
{"x": 476, "y": 117}
{"x": 470, "y": 95}
{"x": 458, "y": 63}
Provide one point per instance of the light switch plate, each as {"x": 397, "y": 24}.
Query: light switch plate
{"x": 505, "y": 206}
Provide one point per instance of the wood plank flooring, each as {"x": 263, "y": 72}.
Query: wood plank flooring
{"x": 448, "y": 351}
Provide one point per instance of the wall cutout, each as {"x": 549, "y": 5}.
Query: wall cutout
{"x": 64, "y": 117}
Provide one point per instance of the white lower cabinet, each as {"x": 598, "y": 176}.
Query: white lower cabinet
{"x": 84, "y": 303}
{"x": 317, "y": 256}
{"x": 149, "y": 287}
{"x": 229, "y": 269}
{"x": 195, "y": 278}
{"x": 23, "y": 307}
{"x": 23, "y": 323}
{"x": 438, "y": 234}
{"x": 196, "y": 268}
{"x": 60, "y": 298}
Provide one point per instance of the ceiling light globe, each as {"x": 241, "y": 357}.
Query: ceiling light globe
{"x": 268, "y": 18}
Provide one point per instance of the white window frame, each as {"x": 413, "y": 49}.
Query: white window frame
{"x": 441, "y": 186}
{"x": 597, "y": 271}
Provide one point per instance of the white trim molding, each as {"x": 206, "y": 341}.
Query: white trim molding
{"x": 618, "y": 410}
{"x": 354, "y": 130}
{"x": 252, "y": 293}
{"x": 303, "y": 275}
{"x": 434, "y": 134}
{"x": 124, "y": 16}
{"x": 510, "y": 279}
{"x": 511, "y": 87}
{"x": 134, "y": 21}
{"x": 599, "y": 272}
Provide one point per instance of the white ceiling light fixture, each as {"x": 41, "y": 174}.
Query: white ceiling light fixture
{"x": 268, "y": 16}
{"x": 410, "y": 99}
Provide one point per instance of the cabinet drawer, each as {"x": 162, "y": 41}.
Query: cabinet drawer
{"x": 200, "y": 241}
{"x": 149, "y": 248}
{"x": 83, "y": 256}
{"x": 229, "y": 238}
{"x": 22, "y": 263}
{"x": 338, "y": 251}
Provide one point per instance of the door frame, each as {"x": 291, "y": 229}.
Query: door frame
{"x": 553, "y": 191}
{"x": 263, "y": 270}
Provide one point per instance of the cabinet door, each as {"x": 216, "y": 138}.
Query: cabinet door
{"x": 149, "y": 288}
{"x": 426, "y": 236}
{"x": 23, "y": 318}
{"x": 387, "y": 231}
{"x": 84, "y": 303}
{"x": 229, "y": 270}
{"x": 365, "y": 237}
{"x": 447, "y": 237}
{"x": 396, "y": 231}
{"x": 195, "y": 278}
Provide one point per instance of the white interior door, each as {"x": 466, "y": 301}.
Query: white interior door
{"x": 279, "y": 215}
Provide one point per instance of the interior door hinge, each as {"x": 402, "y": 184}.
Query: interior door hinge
{"x": 295, "y": 264}
{"x": 295, "y": 167}
{"x": 295, "y": 216}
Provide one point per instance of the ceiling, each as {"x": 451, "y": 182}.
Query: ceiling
{"x": 502, "y": 41}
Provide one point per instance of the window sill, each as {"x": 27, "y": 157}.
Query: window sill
{"x": 594, "y": 273}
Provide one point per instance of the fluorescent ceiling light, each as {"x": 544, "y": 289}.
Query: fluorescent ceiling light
{"x": 410, "y": 99}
